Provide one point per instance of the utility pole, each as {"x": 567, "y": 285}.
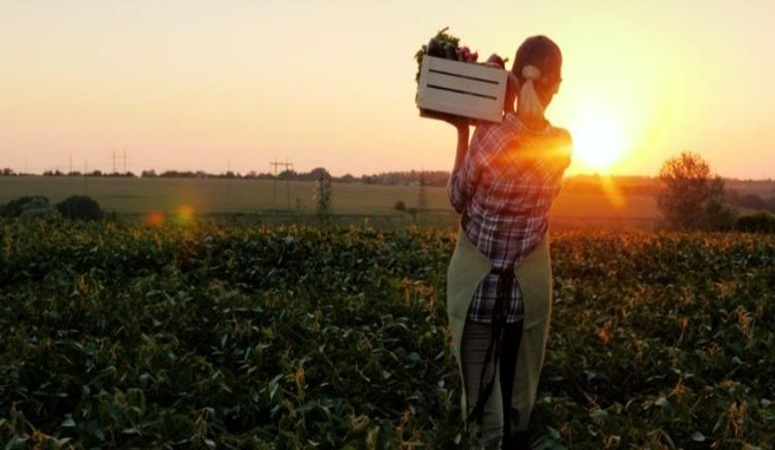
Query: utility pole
{"x": 274, "y": 184}
{"x": 288, "y": 185}
{"x": 124, "y": 161}
{"x": 114, "y": 161}
{"x": 286, "y": 166}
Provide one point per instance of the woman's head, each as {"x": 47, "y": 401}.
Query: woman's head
{"x": 538, "y": 66}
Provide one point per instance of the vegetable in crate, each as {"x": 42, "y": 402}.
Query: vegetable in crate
{"x": 438, "y": 47}
{"x": 497, "y": 60}
{"x": 434, "y": 48}
{"x": 445, "y": 45}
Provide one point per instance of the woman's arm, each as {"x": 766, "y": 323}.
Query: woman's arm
{"x": 462, "y": 146}
{"x": 460, "y": 187}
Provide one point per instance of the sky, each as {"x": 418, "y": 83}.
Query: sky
{"x": 213, "y": 85}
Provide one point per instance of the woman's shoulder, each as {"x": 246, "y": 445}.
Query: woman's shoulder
{"x": 515, "y": 124}
{"x": 560, "y": 133}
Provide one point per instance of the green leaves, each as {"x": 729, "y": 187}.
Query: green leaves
{"x": 126, "y": 336}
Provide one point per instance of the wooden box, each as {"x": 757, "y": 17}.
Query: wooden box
{"x": 462, "y": 89}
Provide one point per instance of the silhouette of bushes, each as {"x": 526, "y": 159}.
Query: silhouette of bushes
{"x": 756, "y": 223}
{"x": 15, "y": 208}
{"x": 80, "y": 207}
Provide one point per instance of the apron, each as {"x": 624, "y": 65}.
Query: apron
{"x": 467, "y": 269}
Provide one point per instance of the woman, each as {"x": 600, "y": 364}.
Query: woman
{"x": 499, "y": 281}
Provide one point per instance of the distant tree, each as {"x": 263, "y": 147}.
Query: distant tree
{"x": 148, "y": 173}
{"x": 400, "y": 206}
{"x": 317, "y": 174}
{"x": 7, "y": 172}
{"x": 346, "y": 178}
{"x": 288, "y": 174}
{"x": 691, "y": 197}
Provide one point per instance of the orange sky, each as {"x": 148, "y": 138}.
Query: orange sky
{"x": 200, "y": 85}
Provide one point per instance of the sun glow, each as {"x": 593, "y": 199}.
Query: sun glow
{"x": 597, "y": 142}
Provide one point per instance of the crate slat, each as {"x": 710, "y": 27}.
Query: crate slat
{"x": 466, "y": 69}
{"x": 459, "y": 105}
{"x": 462, "y": 89}
{"x": 465, "y": 84}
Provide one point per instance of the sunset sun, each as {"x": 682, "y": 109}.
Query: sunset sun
{"x": 598, "y": 142}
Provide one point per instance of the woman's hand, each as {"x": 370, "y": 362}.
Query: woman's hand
{"x": 512, "y": 82}
{"x": 456, "y": 121}
{"x": 460, "y": 123}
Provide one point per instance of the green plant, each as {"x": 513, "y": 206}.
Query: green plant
{"x": 122, "y": 335}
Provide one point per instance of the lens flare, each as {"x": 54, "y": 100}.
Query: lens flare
{"x": 185, "y": 214}
{"x": 156, "y": 218}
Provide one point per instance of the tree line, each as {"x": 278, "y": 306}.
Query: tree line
{"x": 427, "y": 178}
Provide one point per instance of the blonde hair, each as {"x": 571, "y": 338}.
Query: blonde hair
{"x": 538, "y": 60}
{"x": 530, "y": 105}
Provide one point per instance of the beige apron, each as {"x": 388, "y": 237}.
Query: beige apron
{"x": 534, "y": 274}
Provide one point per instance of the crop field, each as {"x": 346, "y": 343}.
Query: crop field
{"x": 123, "y": 335}
{"x": 293, "y": 201}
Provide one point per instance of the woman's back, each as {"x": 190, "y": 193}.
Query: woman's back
{"x": 507, "y": 184}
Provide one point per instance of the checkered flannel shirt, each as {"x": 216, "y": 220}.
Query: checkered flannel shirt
{"x": 506, "y": 185}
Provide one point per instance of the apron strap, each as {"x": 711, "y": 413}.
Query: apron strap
{"x": 505, "y": 283}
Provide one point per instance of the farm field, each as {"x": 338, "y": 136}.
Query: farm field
{"x": 140, "y": 196}
{"x": 123, "y": 335}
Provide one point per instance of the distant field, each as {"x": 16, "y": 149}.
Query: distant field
{"x": 218, "y": 196}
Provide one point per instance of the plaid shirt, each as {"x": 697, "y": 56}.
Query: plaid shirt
{"x": 506, "y": 185}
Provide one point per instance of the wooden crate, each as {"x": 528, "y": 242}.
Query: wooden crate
{"x": 461, "y": 89}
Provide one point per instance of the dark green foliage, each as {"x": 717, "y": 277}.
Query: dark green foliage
{"x": 118, "y": 335}
{"x": 756, "y": 223}
{"x": 15, "y": 208}
{"x": 443, "y": 38}
{"x": 717, "y": 217}
{"x": 79, "y": 207}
